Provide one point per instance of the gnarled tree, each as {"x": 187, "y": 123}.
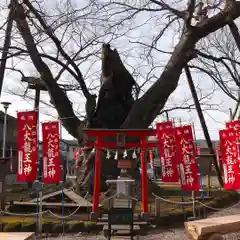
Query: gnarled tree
{"x": 116, "y": 107}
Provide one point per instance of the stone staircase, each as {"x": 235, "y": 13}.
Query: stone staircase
{"x": 121, "y": 227}
{"x": 122, "y": 231}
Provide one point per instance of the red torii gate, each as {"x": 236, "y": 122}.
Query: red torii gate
{"x": 120, "y": 143}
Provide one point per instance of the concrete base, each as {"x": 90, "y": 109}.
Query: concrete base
{"x": 144, "y": 215}
{"x": 93, "y": 217}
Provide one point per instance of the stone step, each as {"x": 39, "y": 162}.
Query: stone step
{"x": 121, "y": 205}
{"x": 121, "y": 227}
{"x": 136, "y": 218}
{"x": 102, "y": 222}
{"x": 105, "y": 219}
{"x": 122, "y": 232}
{"x": 122, "y": 202}
{"x": 127, "y": 238}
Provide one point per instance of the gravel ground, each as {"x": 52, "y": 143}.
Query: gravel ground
{"x": 163, "y": 234}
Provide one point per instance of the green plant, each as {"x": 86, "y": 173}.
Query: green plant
{"x": 12, "y": 227}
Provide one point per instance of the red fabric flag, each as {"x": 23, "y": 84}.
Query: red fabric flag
{"x": 186, "y": 154}
{"x": 151, "y": 158}
{"x": 198, "y": 150}
{"x": 164, "y": 125}
{"x": 77, "y": 153}
{"x": 11, "y": 159}
{"x": 167, "y": 154}
{"x": 27, "y": 146}
{"x": 229, "y": 153}
{"x": 234, "y": 124}
{"x": 51, "y": 152}
{"x": 217, "y": 154}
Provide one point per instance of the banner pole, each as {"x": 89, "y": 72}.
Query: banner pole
{"x": 63, "y": 223}
{"x": 37, "y": 212}
{"x": 3, "y": 183}
{"x": 193, "y": 192}
{"x": 40, "y": 209}
{"x": 182, "y": 193}
{"x": 39, "y": 174}
{"x": 200, "y": 176}
{"x": 63, "y": 172}
{"x": 38, "y": 187}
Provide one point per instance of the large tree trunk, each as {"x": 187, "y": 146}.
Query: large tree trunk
{"x": 114, "y": 103}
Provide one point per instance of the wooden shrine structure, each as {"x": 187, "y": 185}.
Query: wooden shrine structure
{"x": 120, "y": 139}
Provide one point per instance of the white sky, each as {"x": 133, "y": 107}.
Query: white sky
{"x": 137, "y": 60}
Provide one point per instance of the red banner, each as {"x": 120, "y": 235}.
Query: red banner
{"x": 164, "y": 125}
{"x": 151, "y": 158}
{"x": 229, "y": 154}
{"x": 11, "y": 160}
{"x": 234, "y": 124}
{"x": 217, "y": 155}
{"x": 76, "y": 154}
{"x": 186, "y": 154}
{"x": 198, "y": 150}
{"x": 27, "y": 146}
{"x": 51, "y": 152}
{"x": 167, "y": 154}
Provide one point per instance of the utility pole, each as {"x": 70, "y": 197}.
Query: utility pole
{"x": 4, "y": 163}
{"x": 6, "y": 45}
{"x": 38, "y": 85}
{"x": 167, "y": 116}
{"x": 204, "y": 127}
{"x": 231, "y": 114}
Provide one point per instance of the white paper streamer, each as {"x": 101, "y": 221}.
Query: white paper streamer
{"x": 116, "y": 155}
{"x": 125, "y": 154}
{"x": 134, "y": 155}
{"x": 108, "y": 155}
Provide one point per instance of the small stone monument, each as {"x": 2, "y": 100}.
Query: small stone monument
{"x": 124, "y": 196}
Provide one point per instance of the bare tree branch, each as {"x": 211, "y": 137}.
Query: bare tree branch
{"x": 234, "y": 30}
{"x": 60, "y": 99}
{"x": 165, "y": 6}
{"x": 221, "y": 59}
{"x": 7, "y": 43}
{"x": 190, "y": 11}
{"x": 159, "y": 92}
{"x": 59, "y": 47}
{"x": 220, "y": 84}
{"x": 235, "y": 112}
